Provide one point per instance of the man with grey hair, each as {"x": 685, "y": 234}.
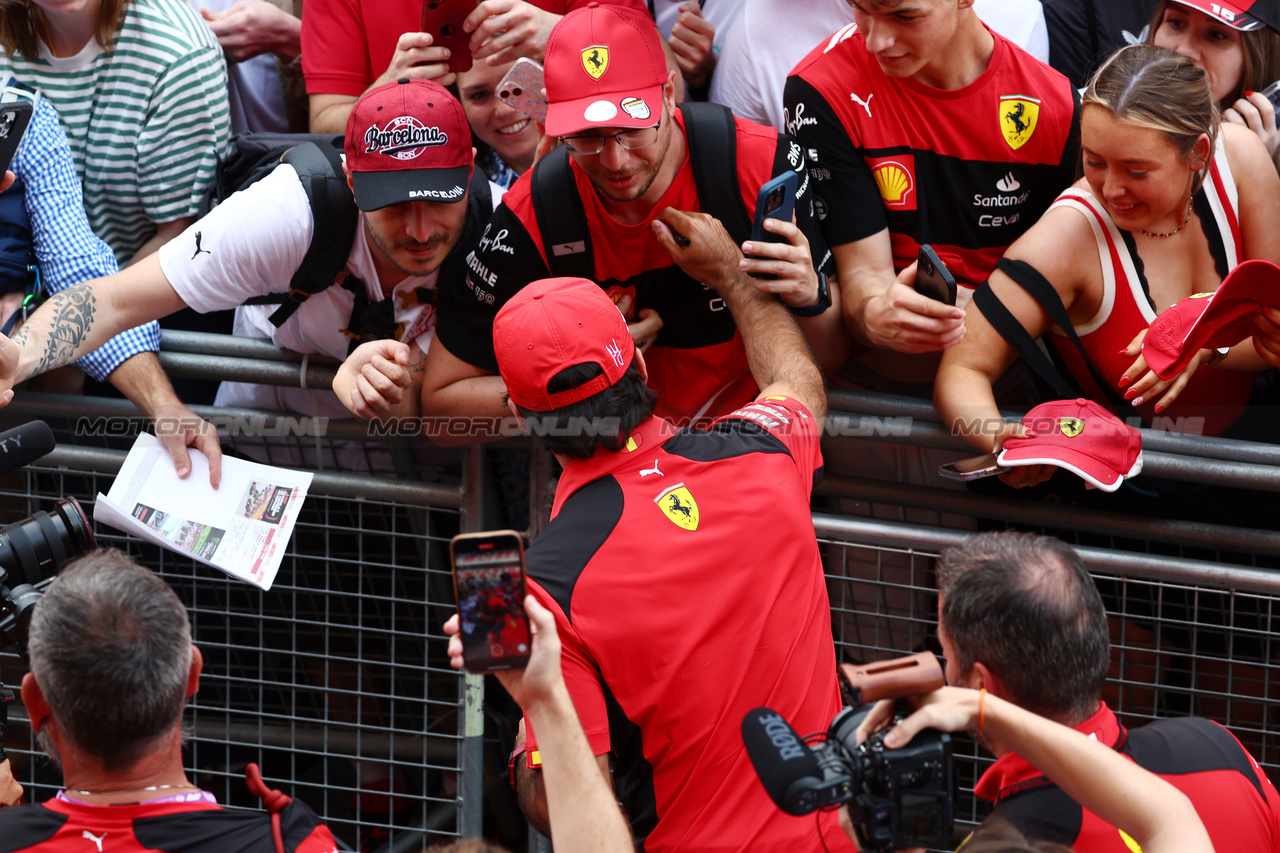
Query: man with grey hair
{"x": 112, "y": 665}
{"x": 1020, "y": 617}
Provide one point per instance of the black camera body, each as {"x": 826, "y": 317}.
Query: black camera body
{"x": 903, "y": 797}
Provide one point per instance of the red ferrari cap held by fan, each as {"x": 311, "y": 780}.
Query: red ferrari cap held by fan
{"x": 1242, "y": 15}
{"x": 555, "y": 323}
{"x": 408, "y": 141}
{"x": 1082, "y": 437}
{"x": 604, "y": 68}
{"x": 1220, "y": 319}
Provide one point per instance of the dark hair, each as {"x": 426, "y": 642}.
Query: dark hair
{"x": 998, "y": 836}
{"x": 605, "y": 419}
{"x": 1025, "y": 606}
{"x": 21, "y": 22}
{"x": 1261, "y": 48}
{"x": 110, "y": 647}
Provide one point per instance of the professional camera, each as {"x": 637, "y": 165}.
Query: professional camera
{"x": 32, "y": 551}
{"x": 902, "y": 797}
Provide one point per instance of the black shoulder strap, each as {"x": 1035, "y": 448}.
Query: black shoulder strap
{"x": 479, "y": 210}
{"x": 334, "y": 217}
{"x": 1035, "y": 284}
{"x": 713, "y": 154}
{"x": 562, "y": 220}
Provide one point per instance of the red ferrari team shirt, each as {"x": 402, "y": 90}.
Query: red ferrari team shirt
{"x": 347, "y": 44}
{"x": 966, "y": 170}
{"x": 1236, "y": 802}
{"x": 58, "y": 826}
{"x": 687, "y": 587}
{"x": 697, "y": 365}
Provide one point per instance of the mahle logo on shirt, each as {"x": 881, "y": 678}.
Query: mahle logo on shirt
{"x": 678, "y": 505}
{"x": 1019, "y": 117}
{"x": 403, "y": 138}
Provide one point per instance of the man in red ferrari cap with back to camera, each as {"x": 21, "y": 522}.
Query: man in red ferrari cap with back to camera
{"x": 647, "y": 564}
{"x": 628, "y": 152}
{"x": 413, "y": 216}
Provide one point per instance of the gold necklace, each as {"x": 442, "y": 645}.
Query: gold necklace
{"x": 1161, "y": 235}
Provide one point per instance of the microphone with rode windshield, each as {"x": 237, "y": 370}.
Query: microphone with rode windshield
{"x": 796, "y": 781}
{"x": 24, "y": 444}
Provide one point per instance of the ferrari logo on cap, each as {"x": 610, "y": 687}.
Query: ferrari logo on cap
{"x": 1071, "y": 427}
{"x": 1019, "y": 116}
{"x": 595, "y": 60}
{"x": 678, "y": 505}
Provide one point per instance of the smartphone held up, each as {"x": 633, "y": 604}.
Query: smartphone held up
{"x": 489, "y": 587}
{"x": 521, "y": 89}
{"x": 443, "y": 20}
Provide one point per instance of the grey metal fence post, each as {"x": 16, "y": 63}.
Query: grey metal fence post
{"x": 471, "y": 702}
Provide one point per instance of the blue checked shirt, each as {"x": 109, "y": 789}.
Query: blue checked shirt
{"x": 67, "y": 252}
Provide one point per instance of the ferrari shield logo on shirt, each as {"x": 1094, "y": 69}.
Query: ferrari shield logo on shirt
{"x": 896, "y": 180}
{"x": 1071, "y": 427}
{"x": 595, "y": 60}
{"x": 678, "y": 505}
{"x": 1019, "y": 116}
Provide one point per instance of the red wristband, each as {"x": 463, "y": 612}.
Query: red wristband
{"x": 511, "y": 765}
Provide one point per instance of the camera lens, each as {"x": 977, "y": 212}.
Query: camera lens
{"x": 34, "y": 549}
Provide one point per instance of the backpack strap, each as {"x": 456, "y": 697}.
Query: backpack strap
{"x": 1039, "y": 288}
{"x": 562, "y": 220}
{"x": 713, "y": 155}
{"x": 334, "y": 217}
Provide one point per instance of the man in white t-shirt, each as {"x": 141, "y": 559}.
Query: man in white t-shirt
{"x": 768, "y": 38}
{"x": 409, "y": 163}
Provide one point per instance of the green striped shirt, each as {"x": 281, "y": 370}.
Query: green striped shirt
{"x": 146, "y": 122}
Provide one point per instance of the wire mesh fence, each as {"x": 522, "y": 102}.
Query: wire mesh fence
{"x": 1188, "y": 636}
{"x": 335, "y": 681}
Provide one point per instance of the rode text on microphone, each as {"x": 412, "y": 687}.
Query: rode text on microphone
{"x": 897, "y": 798}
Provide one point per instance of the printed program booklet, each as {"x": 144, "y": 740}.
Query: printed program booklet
{"x": 241, "y": 528}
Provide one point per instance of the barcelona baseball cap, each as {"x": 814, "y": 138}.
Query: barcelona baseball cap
{"x": 1222, "y": 318}
{"x": 1082, "y": 437}
{"x": 553, "y": 324}
{"x": 1242, "y": 15}
{"x": 604, "y": 68}
{"x": 408, "y": 141}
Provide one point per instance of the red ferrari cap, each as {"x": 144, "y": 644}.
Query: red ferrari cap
{"x": 604, "y": 68}
{"x": 1242, "y": 15}
{"x": 553, "y": 324}
{"x": 1082, "y": 437}
{"x": 1219, "y": 319}
{"x": 408, "y": 141}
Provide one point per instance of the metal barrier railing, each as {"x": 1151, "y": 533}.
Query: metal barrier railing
{"x": 330, "y": 678}
{"x": 336, "y": 680}
{"x": 1189, "y": 636}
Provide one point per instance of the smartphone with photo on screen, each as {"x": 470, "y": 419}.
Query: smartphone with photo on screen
{"x": 521, "y": 89}
{"x": 489, "y": 587}
{"x": 443, "y": 20}
{"x": 775, "y": 200}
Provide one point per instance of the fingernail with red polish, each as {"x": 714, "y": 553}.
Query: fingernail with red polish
{"x": 1248, "y": 92}
{"x": 1124, "y": 380}
{"x": 1128, "y": 395}
{"x": 1159, "y": 408}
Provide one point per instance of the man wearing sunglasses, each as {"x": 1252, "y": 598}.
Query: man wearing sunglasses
{"x": 629, "y": 157}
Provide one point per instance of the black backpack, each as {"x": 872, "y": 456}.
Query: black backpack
{"x": 713, "y": 155}
{"x": 315, "y": 157}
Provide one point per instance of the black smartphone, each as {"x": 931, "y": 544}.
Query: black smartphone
{"x": 776, "y": 200}
{"x": 443, "y": 20}
{"x": 932, "y": 277}
{"x": 1272, "y": 94}
{"x": 14, "y": 118}
{"x": 973, "y": 468}
{"x": 488, "y": 584}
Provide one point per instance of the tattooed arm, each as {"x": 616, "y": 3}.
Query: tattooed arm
{"x": 82, "y": 318}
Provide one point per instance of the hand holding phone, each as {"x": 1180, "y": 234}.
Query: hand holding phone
{"x": 489, "y": 587}
{"x": 776, "y": 200}
{"x": 443, "y": 20}
{"x": 14, "y": 118}
{"x": 521, "y": 89}
{"x": 932, "y": 277}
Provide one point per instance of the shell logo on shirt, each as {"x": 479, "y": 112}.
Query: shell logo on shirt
{"x": 595, "y": 60}
{"x": 678, "y": 505}
{"x": 1019, "y": 117}
{"x": 1070, "y": 427}
{"x": 896, "y": 180}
